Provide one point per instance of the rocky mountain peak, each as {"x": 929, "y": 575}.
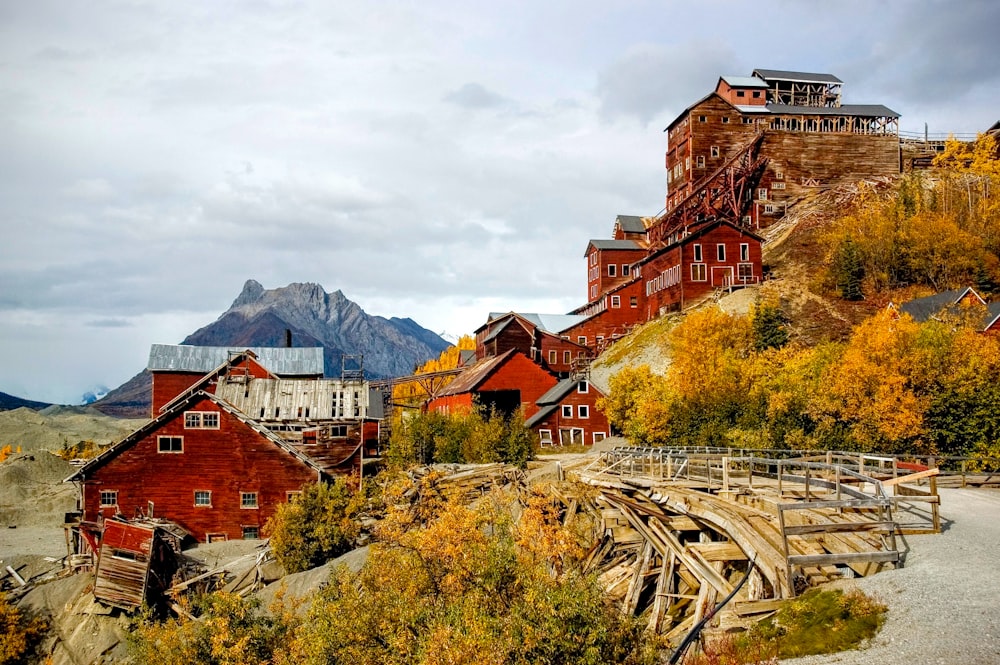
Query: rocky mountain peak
{"x": 251, "y": 293}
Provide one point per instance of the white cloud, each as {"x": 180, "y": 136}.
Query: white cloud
{"x": 436, "y": 161}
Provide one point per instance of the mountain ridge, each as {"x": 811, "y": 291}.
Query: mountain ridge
{"x": 312, "y": 317}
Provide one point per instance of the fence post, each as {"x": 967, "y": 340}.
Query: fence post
{"x": 935, "y": 514}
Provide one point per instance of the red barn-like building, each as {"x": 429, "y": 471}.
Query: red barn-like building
{"x": 203, "y": 465}
{"x": 719, "y": 254}
{"x": 568, "y": 415}
{"x": 221, "y": 456}
{"x": 506, "y": 383}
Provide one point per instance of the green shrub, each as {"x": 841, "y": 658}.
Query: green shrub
{"x": 318, "y": 525}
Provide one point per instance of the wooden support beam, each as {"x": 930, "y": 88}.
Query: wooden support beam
{"x": 833, "y": 559}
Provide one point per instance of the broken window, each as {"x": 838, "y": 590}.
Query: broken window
{"x": 170, "y": 444}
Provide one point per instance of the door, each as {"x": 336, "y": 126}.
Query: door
{"x": 722, "y": 276}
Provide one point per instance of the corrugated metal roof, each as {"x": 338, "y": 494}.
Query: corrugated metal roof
{"x": 557, "y": 392}
{"x": 613, "y": 244}
{"x": 744, "y": 82}
{"x": 631, "y": 223}
{"x": 801, "y": 77}
{"x": 858, "y": 110}
{"x": 553, "y": 323}
{"x": 468, "y": 380}
{"x": 922, "y": 309}
{"x": 296, "y": 399}
{"x": 752, "y": 108}
{"x": 550, "y": 323}
{"x": 298, "y": 361}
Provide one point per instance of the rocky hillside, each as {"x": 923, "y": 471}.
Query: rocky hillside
{"x": 313, "y": 317}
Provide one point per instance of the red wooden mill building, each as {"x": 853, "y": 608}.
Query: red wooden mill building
{"x": 735, "y": 160}
{"x": 219, "y": 457}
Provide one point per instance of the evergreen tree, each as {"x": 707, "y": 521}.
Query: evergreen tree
{"x": 985, "y": 283}
{"x": 848, "y": 270}
{"x": 769, "y": 326}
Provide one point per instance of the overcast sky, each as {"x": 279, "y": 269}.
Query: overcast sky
{"x": 431, "y": 160}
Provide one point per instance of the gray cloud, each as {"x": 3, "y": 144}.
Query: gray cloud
{"x": 430, "y": 161}
{"x": 475, "y": 96}
{"x": 656, "y": 80}
{"x": 932, "y": 51}
{"x": 110, "y": 323}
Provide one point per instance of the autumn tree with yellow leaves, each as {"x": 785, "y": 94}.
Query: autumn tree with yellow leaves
{"x": 459, "y": 586}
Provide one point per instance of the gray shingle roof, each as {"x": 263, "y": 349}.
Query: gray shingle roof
{"x": 299, "y": 361}
{"x": 802, "y": 77}
{"x": 540, "y": 415}
{"x": 859, "y": 110}
{"x": 922, "y": 309}
{"x": 630, "y": 223}
{"x": 611, "y": 244}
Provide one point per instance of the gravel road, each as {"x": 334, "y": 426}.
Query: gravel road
{"x": 944, "y": 604}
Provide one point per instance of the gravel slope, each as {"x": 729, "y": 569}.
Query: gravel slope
{"x": 944, "y": 604}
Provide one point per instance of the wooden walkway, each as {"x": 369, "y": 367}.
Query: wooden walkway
{"x": 679, "y": 528}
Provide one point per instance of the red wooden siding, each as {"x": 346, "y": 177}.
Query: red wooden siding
{"x": 168, "y": 385}
{"x": 595, "y": 422}
{"x": 225, "y": 461}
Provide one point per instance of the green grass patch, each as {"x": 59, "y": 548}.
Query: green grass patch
{"x": 817, "y": 622}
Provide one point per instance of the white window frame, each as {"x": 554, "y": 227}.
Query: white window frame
{"x": 742, "y": 268}
{"x": 583, "y": 387}
{"x": 249, "y": 501}
{"x": 715, "y": 151}
{"x": 247, "y": 527}
{"x": 720, "y": 252}
{"x": 544, "y": 437}
{"x": 626, "y": 270}
{"x": 633, "y": 301}
{"x": 744, "y": 251}
{"x": 702, "y": 271}
{"x": 599, "y": 436}
{"x": 581, "y": 339}
{"x": 566, "y": 411}
{"x": 700, "y": 163}
{"x": 197, "y": 419}
{"x": 762, "y": 193}
{"x": 205, "y": 496}
{"x": 553, "y": 356}
{"x": 616, "y": 302}
{"x": 583, "y": 411}
{"x": 698, "y": 257}
{"x": 612, "y": 270}
{"x": 108, "y": 494}
{"x": 169, "y": 451}
{"x": 567, "y": 357}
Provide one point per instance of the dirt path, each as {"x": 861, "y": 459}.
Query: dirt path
{"x": 944, "y": 605}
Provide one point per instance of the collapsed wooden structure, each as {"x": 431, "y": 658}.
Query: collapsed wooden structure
{"x": 679, "y": 529}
